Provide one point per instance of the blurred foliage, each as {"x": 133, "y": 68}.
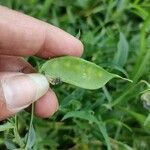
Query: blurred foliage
{"x": 116, "y": 36}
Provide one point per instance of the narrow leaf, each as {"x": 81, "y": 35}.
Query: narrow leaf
{"x": 31, "y": 138}
{"x": 89, "y": 117}
{"x": 139, "y": 117}
{"x": 80, "y": 114}
{"x": 6, "y": 126}
{"x": 122, "y": 51}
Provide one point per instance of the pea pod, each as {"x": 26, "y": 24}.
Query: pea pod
{"x": 77, "y": 71}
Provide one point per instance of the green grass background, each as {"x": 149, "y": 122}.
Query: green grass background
{"x": 116, "y": 36}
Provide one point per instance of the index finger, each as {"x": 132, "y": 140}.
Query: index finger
{"x": 25, "y": 36}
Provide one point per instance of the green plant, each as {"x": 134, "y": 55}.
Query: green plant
{"x": 116, "y": 36}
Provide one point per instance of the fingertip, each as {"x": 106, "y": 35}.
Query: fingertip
{"x": 74, "y": 47}
{"x": 80, "y": 48}
{"x": 58, "y": 43}
{"x": 47, "y": 105}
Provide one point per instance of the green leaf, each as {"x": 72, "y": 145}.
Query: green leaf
{"x": 117, "y": 67}
{"x": 80, "y": 114}
{"x": 6, "y": 126}
{"x": 78, "y": 35}
{"x": 118, "y": 122}
{"x": 139, "y": 11}
{"x": 139, "y": 117}
{"x": 76, "y": 94}
{"x": 31, "y": 138}
{"x": 77, "y": 71}
{"x": 122, "y": 51}
{"x": 92, "y": 119}
{"x": 10, "y": 145}
{"x": 46, "y": 7}
{"x": 122, "y": 146}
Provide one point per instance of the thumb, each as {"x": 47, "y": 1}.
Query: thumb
{"x": 18, "y": 91}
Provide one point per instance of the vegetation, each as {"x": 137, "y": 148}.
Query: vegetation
{"x": 116, "y": 36}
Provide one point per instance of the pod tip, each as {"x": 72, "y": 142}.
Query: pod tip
{"x": 124, "y": 78}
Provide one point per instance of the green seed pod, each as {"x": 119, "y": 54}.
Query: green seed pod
{"x": 77, "y": 71}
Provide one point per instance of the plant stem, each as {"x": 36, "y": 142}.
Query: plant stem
{"x": 30, "y": 126}
{"x": 142, "y": 60}
{"x": 16, "y": 133}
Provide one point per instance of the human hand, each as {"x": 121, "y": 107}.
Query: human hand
{"x": 21, "y": 35}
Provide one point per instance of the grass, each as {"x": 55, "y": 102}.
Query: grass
{"x": 116, "y": 35}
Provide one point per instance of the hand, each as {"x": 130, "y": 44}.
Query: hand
{"x": 21, "y": 35}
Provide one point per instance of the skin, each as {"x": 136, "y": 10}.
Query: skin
{"x": 22, "y": 35}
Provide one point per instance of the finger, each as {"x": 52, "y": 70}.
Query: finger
{"x": 45, "y": 106}
{"x": 15, "y": 64}
{"x": 23, "y": 35}
{"x": 18, "y": 91}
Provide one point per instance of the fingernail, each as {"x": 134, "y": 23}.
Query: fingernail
{"x": 41, "y": 84}
{"x": 22, "y": 90}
